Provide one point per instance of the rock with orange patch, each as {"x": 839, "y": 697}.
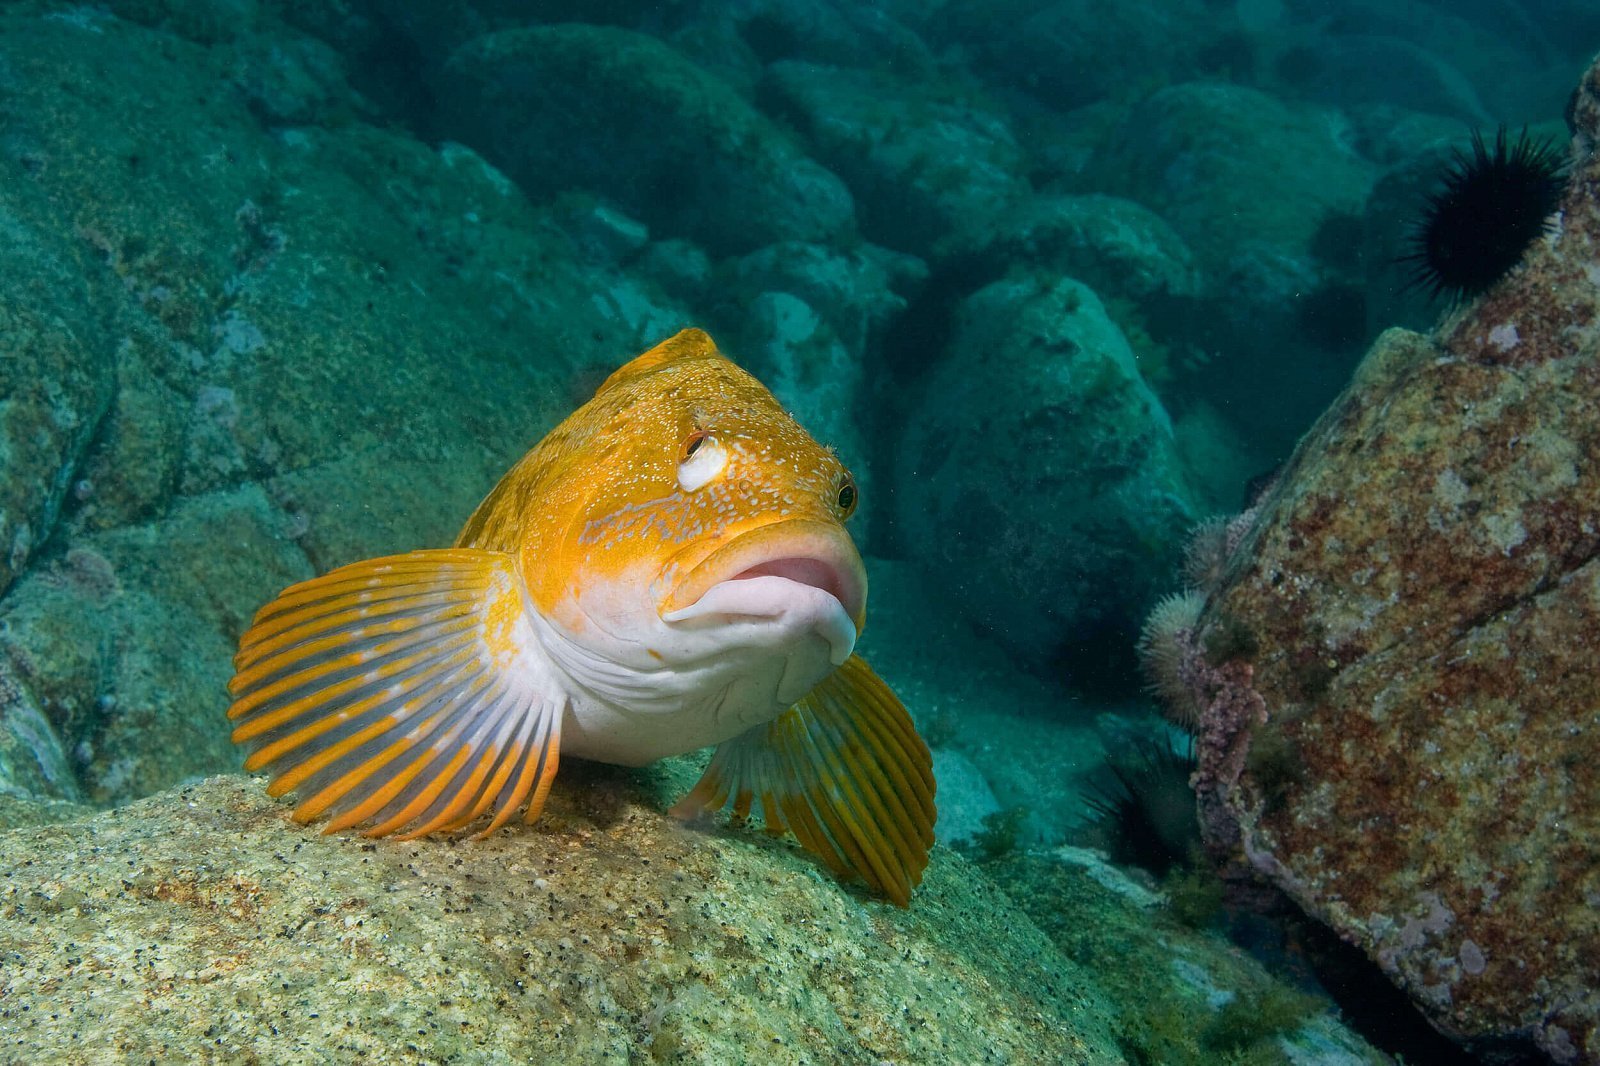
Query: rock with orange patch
{"x": 1399, "y": 682}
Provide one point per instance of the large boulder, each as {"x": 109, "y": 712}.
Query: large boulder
{"x": 1351, "y": 70}
{"x": 58, "y": 369}
{"x": 1038, "y": 483}
{"x": 1120, "y": 249}
{"x": 1073, "y": 52}
{"x": 817, "y": 378}
{"x": 628, "y": 117}
{"x": 1396, "y": 680}
{"x": 249, "y": 336}
{"x": 1227, "y": 166}
{"x": 202, "y": 918}
{"x": 924, "y": 163}
{"x": 193, "y": 923}
{"x": 1265, "y": 193}
{"x": 1518, "y": 59}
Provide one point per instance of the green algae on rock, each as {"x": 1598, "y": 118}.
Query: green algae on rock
{"x": 1038, "y": 457}
{"x": 58, "y": 369}
{"x": 201, "y": 924}
{"x": 1181, "y": 997}
{"x": 922, "y": 164}
{"x": 236, "y": 387}
{"x": 619, "y": 112}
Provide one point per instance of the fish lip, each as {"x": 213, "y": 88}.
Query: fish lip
{"x": 804, "y": 550}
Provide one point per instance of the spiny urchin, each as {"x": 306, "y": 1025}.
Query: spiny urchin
{"x": 1487, "y": 211}
{"x": 1165, "y": 644}
{"x": 1144, "y": 805}
{"x": 1205, "y": 553}
{"x": 1212, "y": 543}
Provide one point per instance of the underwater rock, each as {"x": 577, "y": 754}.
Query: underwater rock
{"x": 58, "y": 370}
{"x": 856, "y": 291}
{"x": 1226, "y": 166}
{"x": 1398, "y": 682}
{"x": 1073, "y": 52}
{"x": 977, "y": 711}
{"x": 121, "y": 639}
{"x": 606, "y": 933}
{"x": 740, "y": 38}
{"x": 1349, "y": 70}
{"x": 1038, "y": 485}
{"x": 33, "y": 762}
{"x": 1180, "y": 996}
{"x": 923, "y": 165}
{"x": 1519, "y": 58}
{"x": 1201, "y": 152}
{"x": 626, "y": 116}
{"x": 965, "y": 798}
{"x": 1119, "y": 248}
{"x": 249, "y": 352}
{"x": 680, "y": 268}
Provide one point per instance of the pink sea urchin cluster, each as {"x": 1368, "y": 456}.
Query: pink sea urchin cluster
{"x": 1166, "y": 644}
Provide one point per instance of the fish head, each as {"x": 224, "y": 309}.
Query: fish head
{"x": 686, "y": 515}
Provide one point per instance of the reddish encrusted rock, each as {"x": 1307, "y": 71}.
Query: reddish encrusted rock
{"x": 1399, "y": 675}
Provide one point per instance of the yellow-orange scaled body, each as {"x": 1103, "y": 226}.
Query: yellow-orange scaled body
{"x": 668, "y": 569}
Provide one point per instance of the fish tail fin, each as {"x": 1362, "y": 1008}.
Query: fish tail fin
{"x": 401, "y": 694}
{"x": 845, "y": 771}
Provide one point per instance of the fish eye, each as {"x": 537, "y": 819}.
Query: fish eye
{"x": 692, "y": 444}
{"x": 847, "y": 496}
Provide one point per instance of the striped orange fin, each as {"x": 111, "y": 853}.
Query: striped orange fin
{"x": 845, "y": 771}
{"x": 401, "y": 694}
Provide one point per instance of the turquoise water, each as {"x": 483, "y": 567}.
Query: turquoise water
{"x": 1211, "y": 420}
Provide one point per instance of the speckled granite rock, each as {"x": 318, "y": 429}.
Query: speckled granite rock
{"x": 1038, "y": 483}
{"x": 627, "y": 116}
{"x": 1398, "y": 679}
{"x": 202, "y": 924}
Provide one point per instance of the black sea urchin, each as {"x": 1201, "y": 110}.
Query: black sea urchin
{"x": 1490, "y": 207}
{"x": 1144, "y": 805}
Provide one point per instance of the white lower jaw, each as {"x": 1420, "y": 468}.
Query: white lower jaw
{"x": 774, "y": 608}
{"x": 644, "y": 685}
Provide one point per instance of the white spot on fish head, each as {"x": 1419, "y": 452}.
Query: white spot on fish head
{"x": 707, "y": 463}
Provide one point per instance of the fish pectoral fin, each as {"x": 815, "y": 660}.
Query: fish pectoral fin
{"x": 404, "y": 694}
{"x": 845, "y": 771}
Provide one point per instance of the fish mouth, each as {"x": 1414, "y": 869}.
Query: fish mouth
{"x": 766, "y": 570}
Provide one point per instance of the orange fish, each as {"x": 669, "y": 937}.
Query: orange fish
{"x": 667, "y": 570}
